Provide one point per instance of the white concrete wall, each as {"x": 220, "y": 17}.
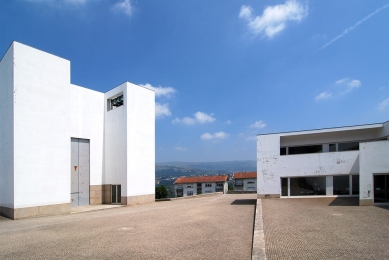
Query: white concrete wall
{"x": 129, "y": 145}
{"x": 6, "y": 130}
{"x": 140, "y": 105}
{"x": 374, "y": 158}
{"x": 87, "y": 122}
{"x": 41, "y": 128}
{"x": 385, "y": 130}
{"x": 271, "y": 166}
{"x": 115, "y": 142}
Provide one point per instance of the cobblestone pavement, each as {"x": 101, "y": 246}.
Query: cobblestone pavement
{"x": 325, "y": 228}
{"x": 216, "y": 227}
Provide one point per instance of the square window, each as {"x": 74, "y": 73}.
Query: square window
{"x": 115, "y": 102}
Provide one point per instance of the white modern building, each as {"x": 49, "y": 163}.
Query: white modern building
{"x": 245, "y": 181}
{"x": 343, "y": 161}
{"x": 189, "y": 186}
{"x": 63, "y": 145}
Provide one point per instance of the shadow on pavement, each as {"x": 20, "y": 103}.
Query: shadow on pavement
{"x": 345, "y": 202}
{"x": 383, "y": 207}
{"x": 244, "y": 202}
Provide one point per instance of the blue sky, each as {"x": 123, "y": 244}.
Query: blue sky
{"x": 223, "y": 71}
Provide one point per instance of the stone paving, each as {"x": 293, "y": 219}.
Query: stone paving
{"x": 325, "y": 228}
{"x": 215, "y": 227}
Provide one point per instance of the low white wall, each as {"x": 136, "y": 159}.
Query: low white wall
{"x": 41, "y": 128}
{"x": 374, "y": 159}
{"x": 87, "y": 122}
{"x": 6, "y": 130}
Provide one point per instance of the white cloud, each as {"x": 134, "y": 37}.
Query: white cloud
{"x": 384, "y": 104}
{"x": 179, "y": 148}
{"x": 162, "y": 110}
{"x": 258, "y": 124}
{"x": 217, "y": 135}
{"x": 323, "y": 95}
{"x": 124, "y": 6}
{"x": 354, "y": 26}
{"x": 199, "y": 118}
{"x": 342, "y": 87}
{"x": 160, "y": 91}
{"x": 228, "y": 122}
{"x": 274, "y": 18}
{"x": 348, "y": 85}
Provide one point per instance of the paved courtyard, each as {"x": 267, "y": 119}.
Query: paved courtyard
{"x": 324, "y": 228}
{"x": 215, "y": 227}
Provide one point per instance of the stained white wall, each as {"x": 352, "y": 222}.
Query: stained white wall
{"x": 115, "y": 141}
{"x": 6, "y": 130}
{"x": 87, "y": 122}
{"x": 374, "y": 158}
{"x": 140, "y": 140}
{"x": 41, "y": 128}
{"x": 271, "y": 166}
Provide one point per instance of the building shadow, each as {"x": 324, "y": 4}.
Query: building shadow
{"x": 339, "y": 201}
{"x": 244, "y": 202}
{"x": 382, "y": 206}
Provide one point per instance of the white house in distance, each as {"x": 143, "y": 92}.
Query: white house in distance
{"x": 342, "y": 161}
{"x": 245, "y": 181}
{"x": 188, "y": 186}
{"x": 63, "y": 145}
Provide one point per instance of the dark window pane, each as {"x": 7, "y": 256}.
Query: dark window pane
{"x": 379, "y": 188}
{"x": 341, "y": 185}
{"x": 283, "y": 151}
{"x": 284, "y": 186}
{"x": 306, "y": 149}
{"x": 113, "y": 187}
{"x": 348, "y": 147}
{"x": 119, "y": 195}
{"x": 332, "y": 147}
{"x": 307, "y": 186}
{"x": 355, "y": 184}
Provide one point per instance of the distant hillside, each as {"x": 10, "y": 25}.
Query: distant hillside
{"x": 175, "y": 171}
{"x": 227, "y": 166}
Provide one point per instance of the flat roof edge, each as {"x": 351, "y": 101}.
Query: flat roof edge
{"x": 330, "y": 129}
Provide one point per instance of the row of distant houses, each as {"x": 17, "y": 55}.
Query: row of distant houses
{"x": 189, "y": 186}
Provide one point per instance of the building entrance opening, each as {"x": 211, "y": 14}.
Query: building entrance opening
{"x": 116, "y": 193}
{"x": 79, "y": 190}
{"x": 381, "y": 188}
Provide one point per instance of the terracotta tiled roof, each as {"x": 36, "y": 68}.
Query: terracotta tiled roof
{"x": 201, "y": 179}
{"x": 244, "y": 175}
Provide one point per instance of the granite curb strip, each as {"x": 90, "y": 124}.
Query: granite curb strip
{"x": 258, "y": 251}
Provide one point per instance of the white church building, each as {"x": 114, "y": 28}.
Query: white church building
{"x": 63, "y": 145}
{"x": 342, "y": 161}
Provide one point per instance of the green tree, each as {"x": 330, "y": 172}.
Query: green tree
{"x": 161, "y": 192}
